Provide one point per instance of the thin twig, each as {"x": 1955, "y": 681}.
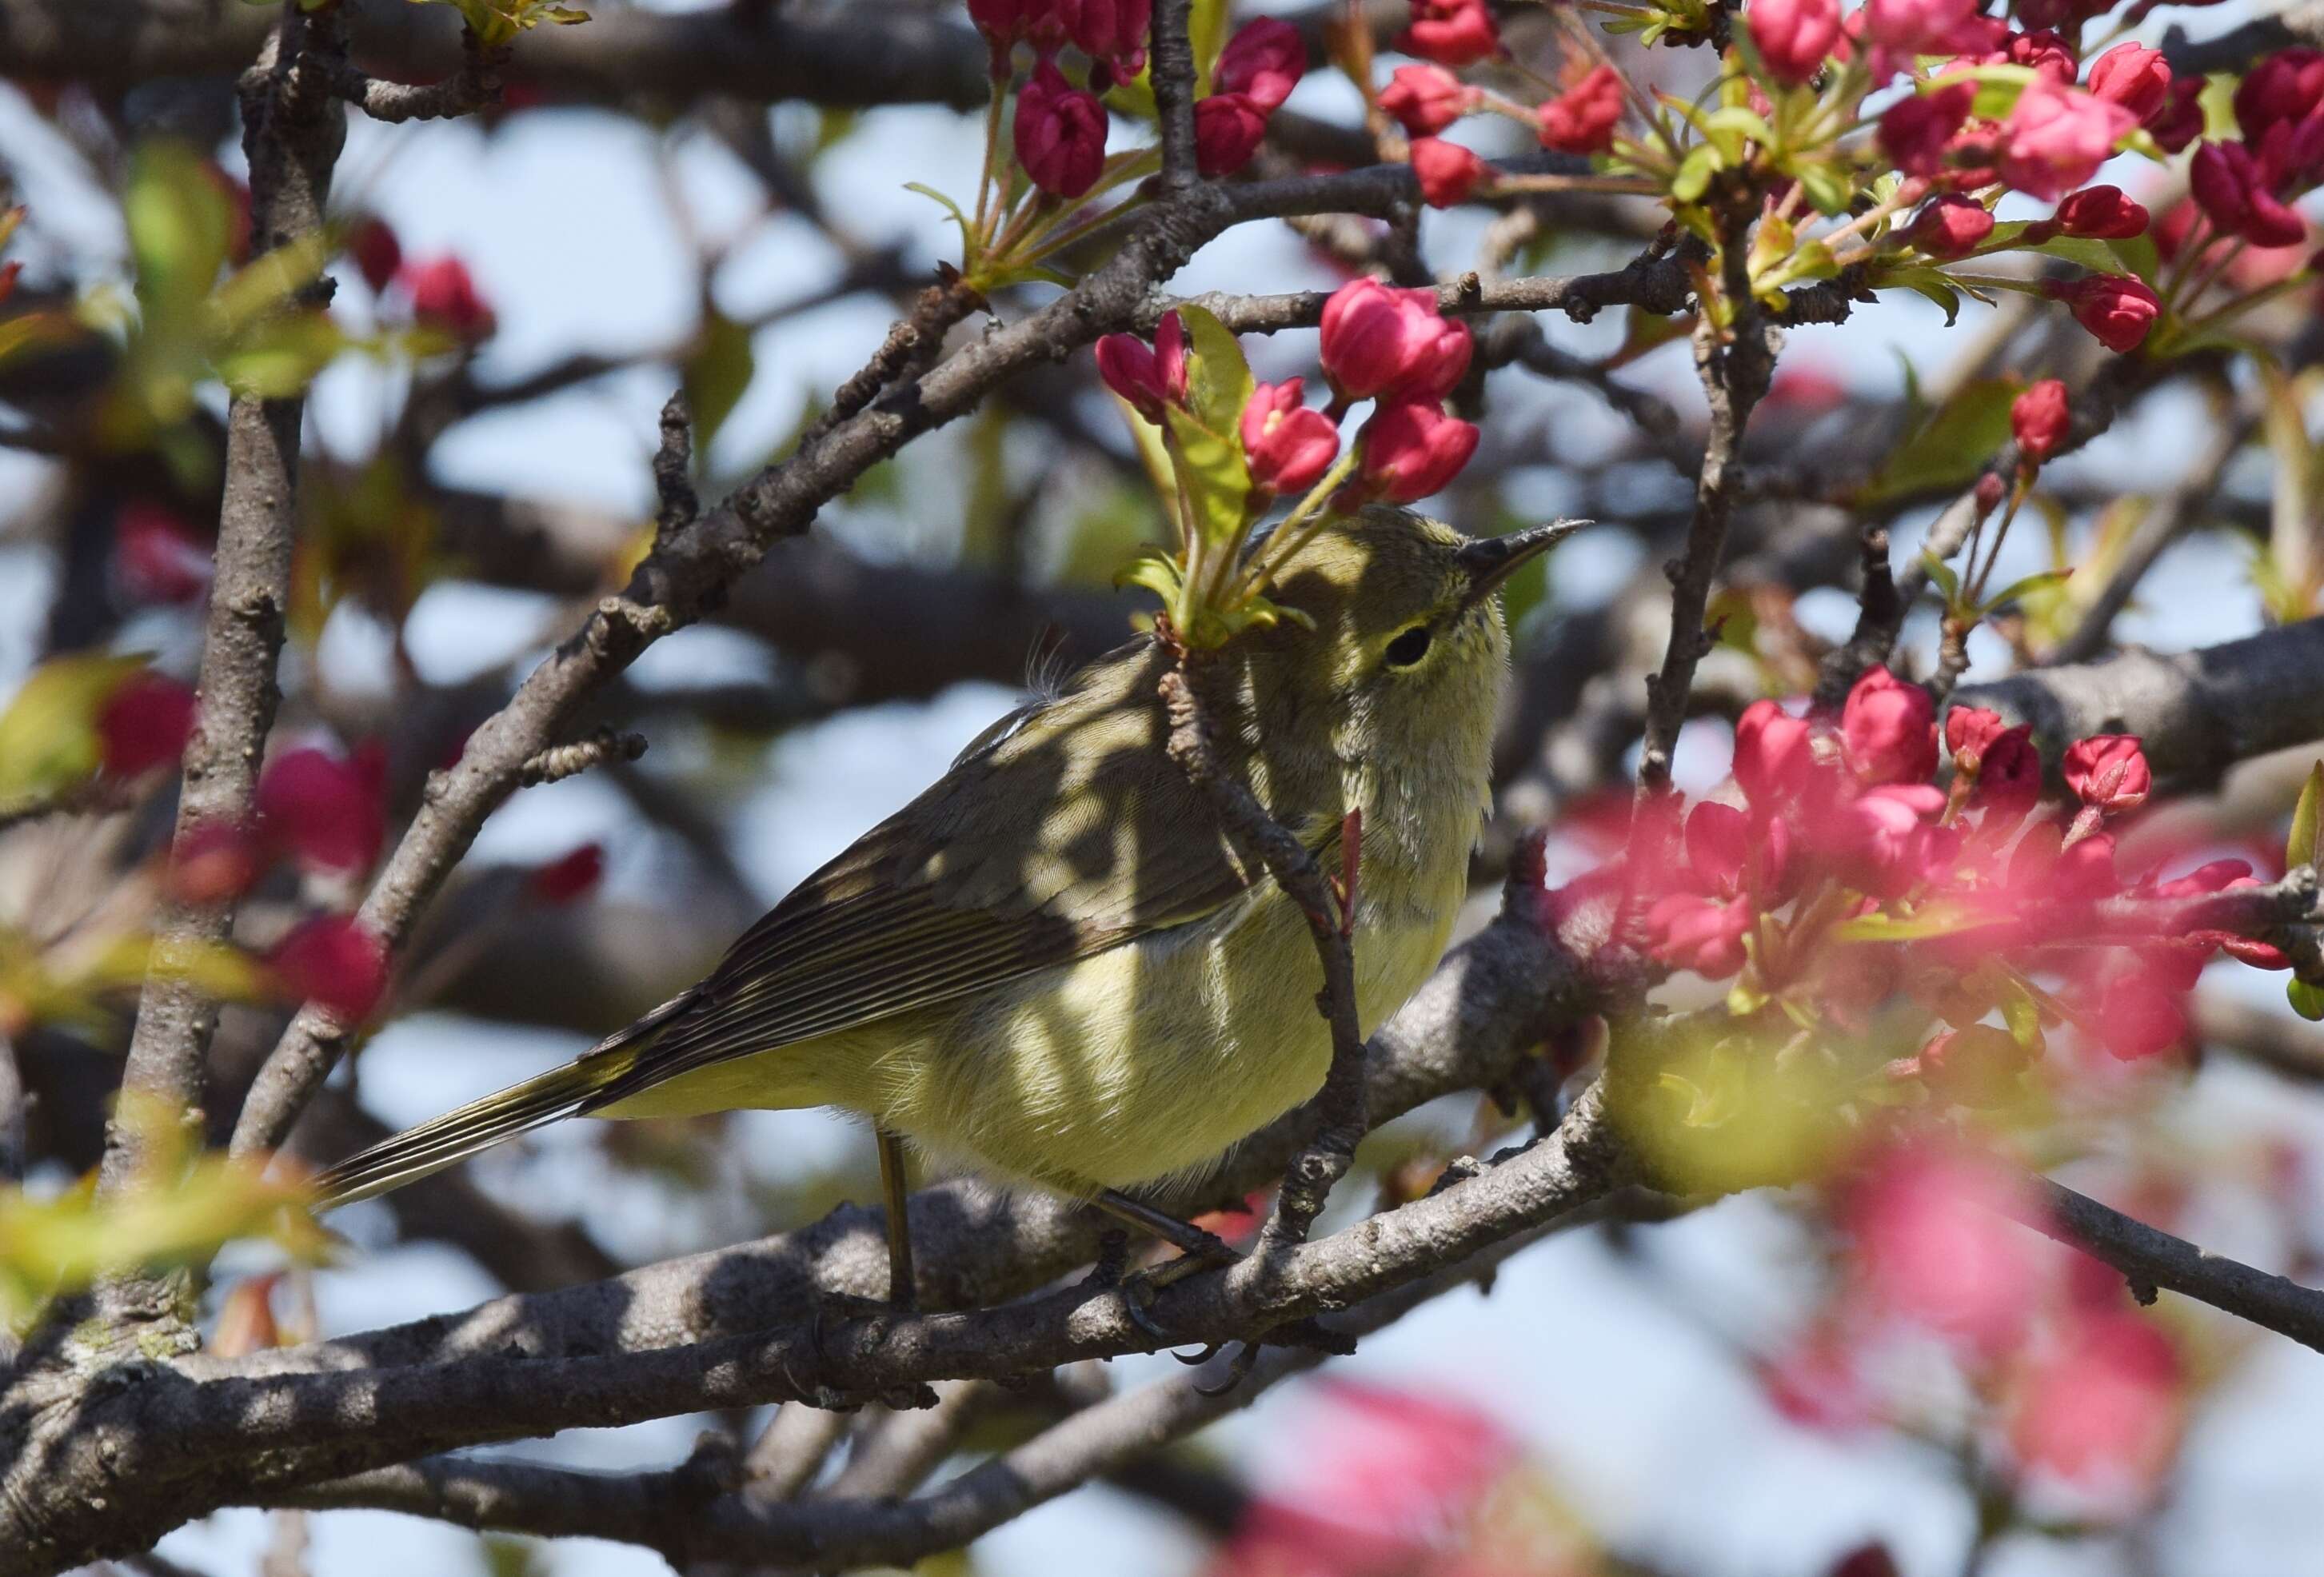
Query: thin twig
{"x": 1172, "y": 73}
{"x": 475, "y": 85}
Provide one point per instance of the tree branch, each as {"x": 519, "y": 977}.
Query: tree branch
{"x": 292, "y": 133}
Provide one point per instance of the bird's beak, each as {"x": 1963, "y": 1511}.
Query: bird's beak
{"x": 1490, "y": 560}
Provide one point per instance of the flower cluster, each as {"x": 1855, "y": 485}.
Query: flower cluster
{"x": 1389, "y": 346}
{"x": 1059, "y": 130}
{"x": 1846, "y": 880}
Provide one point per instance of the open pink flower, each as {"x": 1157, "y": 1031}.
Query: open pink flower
{"x": 1917, "y": 129}
{"x": 1288, "y": 447}
{"x": 2056, "y": 137}
{"x": 1885, "y": 841}
{"x": 1688, "y": 931}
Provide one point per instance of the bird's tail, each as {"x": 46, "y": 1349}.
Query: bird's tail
{"x": 451, "y": 1139}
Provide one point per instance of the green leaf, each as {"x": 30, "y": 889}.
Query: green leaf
{"x": 1947, "y": 577}
{"x": 1213, "y": 476}
{"x": 48, "y": 734}
{"x": 179, "y": 223}
{"x": 1694, "y": 172}
{"x": 2300, "y": 848}
{"x": 949, "y": 206}
{"x": 716, "y": 375}
{"x": 2042, "y": 580}
{"x": 1218, "y": 379}
{"x": 1929, "y": 282}
{"x": 1997, "y": 87}
{"x": 1949, "y": 448}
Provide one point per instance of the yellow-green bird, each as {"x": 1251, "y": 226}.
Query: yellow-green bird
{"x": 1051, "y": 967}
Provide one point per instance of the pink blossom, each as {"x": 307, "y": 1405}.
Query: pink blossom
{"x": 1149, "y": 379}
{"x": 1934, "y": 1242}
{"x": 2102, "y": 213}
{"x": 2108, "y": 772}
{"x": 1288, "y": 447}
{"x": 1704, "y": 935}
{"x": 1059, "y": 134}
{"x": 1412, "y": 448}
{"x": 2285, "y": 86}
{"x": 1110, "y": 30}
{"x": 2135, "y": 77}
{"x": 1381, "y": 341}
{"x": 2056, "y": 137}
{"x": 445, "y": 296}
{"x": 1774, "y": 754}
{"x": 2040, "y": 418}
{"x": 1451, "y": 32}
{"x": 1898, "y": 31}
{"x": 377, "y": 255}
{"x": 1425, "y": 99}
{"x": 2117, "y": 309}
{"x": 1883, "y": 840}
{"x": 2008, "y": 779}
{"x": 1794, "y": 37}
{"x": 1951, "y": 227}
{"x": 1582, "y": 118}
{"x": 1263, "y": 62}
{"x": 1889, "y": 728}
{"x": 1228, "y": 129}
{"x": 1916, "y": 130}
{"x": 1447, "y": 172}
{"x": 2233, "y": 191}
{"x": 2102, "y": 1404}
{"x": 332, "y": 961}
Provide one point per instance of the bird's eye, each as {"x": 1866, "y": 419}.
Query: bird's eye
{"x": 1408, "y": 647}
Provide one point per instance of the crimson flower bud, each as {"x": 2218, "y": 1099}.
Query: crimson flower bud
{"x": 2039, "y": 419}
{"x": 1288, "y": 447}
{"x": 377, "y": 253}
{"x": 1774, "y": 753}
{"x": 444, "y": 296}
{"x": 2231, "y": 188}
{"x": 1582, "y": 118}
{"x": 2117, "y": 308}
{"x": 1228, "y": 128}
{"x": 1951, "y": 227}
{"x": 332, "y": 961}
{"x": 1412, "y": 448}
{"x": 2108, "y": 772}
{"x": 2008, "y": 778}
{"x": 1148, "y": 379}
{"x": 1793, "y": 36}
{"x": 2180, "y": 121}
{"x": 1989, "y": 491}
{"x": 144, "y": 723}
{"x": 2286, "y": 86}
{"x": 1889, "y": 728}
{"x": 1447, "y": 172}
{"x": 2102, "y": 213}
{"x": 1110, "y": 31}
{"x": 2133, "y": 75}
{"x": 1451, "y": 32}
{"x": 1060, "y": 133}
{"x": 1425, "y": 99}
{"x": 1263, "y": 62}
{"x": 1915, "y": 129}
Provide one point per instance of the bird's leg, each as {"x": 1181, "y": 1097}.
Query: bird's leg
{"x": 894, "y": 1186}
{"x": 1197, "y": 1250}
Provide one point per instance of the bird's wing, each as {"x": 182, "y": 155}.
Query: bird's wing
{"x": 1068, "y": 835}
